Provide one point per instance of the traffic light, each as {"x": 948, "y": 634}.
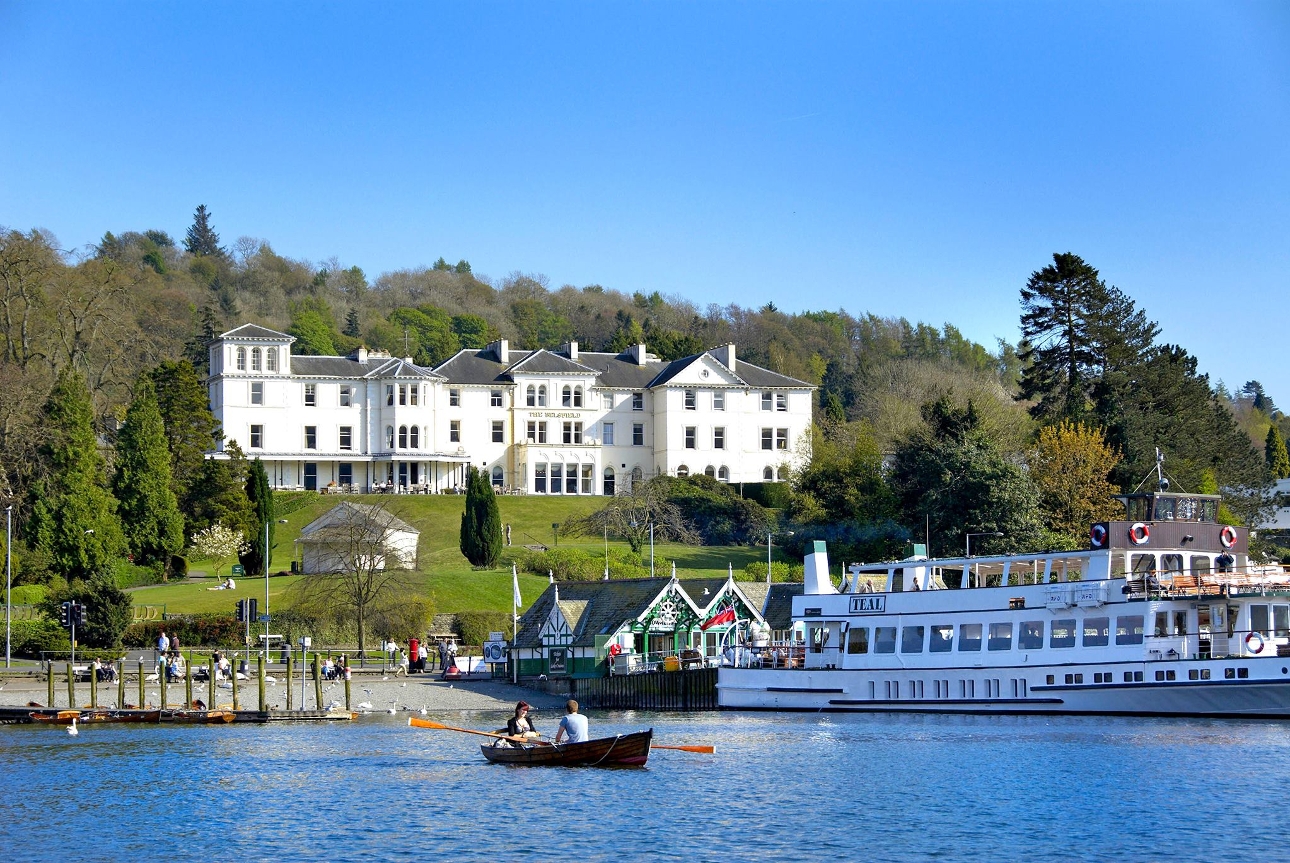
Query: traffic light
{"x": 78, "y": 614}
{"x": 65, "y": 614}
{"x": 252, "y": 610}
{"x": 241, "y": 611}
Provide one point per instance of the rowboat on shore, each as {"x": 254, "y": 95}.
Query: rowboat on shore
{"x": 623, "y": 750}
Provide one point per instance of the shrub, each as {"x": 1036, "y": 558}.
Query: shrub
{"x": 772, "y": 495}
{"x": 576, "y": 564}
{"x": 779, "y": 571}
{"x": 178, "y": 566}
{"x": 473, "y": 626}
{"x": 30, "y": 637}
{"x": 194, "y": 630}
{"x": 128, "y": 574}
{"x": 716, "y": 510}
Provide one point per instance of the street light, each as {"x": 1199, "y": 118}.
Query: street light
{"x": 769, "y": 534}
{"x": 8, "y": 580}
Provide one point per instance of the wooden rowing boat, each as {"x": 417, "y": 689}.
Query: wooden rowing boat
{"x": 199, "y": 717}
{"x": 624, "y": 750}
{"x": 85, "y": 717}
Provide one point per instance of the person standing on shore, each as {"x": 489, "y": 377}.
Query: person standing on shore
{"x": 423, "y": 655}
{"x": 573, "y": 724}
{"x": 413, "y": 644}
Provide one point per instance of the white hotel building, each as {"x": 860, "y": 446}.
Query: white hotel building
{"x": 537, "y": 422}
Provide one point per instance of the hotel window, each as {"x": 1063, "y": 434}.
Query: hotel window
{"x": 781, "y": 401}
{"x": 557, "y": 478}
{"x": 781, "y": 439}
{"x": 346, "y": 437}
{"x": 403, "y": 394}
{"x": 1000, "y": 637}
{"x": 530, "y": 396}
{"x": 587, "y": 478}
{"x": 607, "y": 432}
{"x": 257, "y": 393}
{"x": 311, "y": 437}
{"x": 1097, "y": 631}
{"x": 573, "y": 432}
{"x": 768, "y": 439}
{"x": 241, "y": 359}
{"x": 690, "y": 400}
{"x": 495, "y": 398}
{"x": 346, "y": 396}
{"x": 710, "y": 471}
{"x": 415, "y": 394}
{"x": 499, "y": 477}
{"x": 1062, "y": 633}
{"x": 683, "y": 470}
{"x": 345, "y": 473}
{"x": 768, "y": 475}
{"x": 609, "y": 482}
{"x": 403, "y": 437}
{"x": 414, "y": 438}
{"x": 718, "y": 401}
{"x": 531, "y": 432}
{"x": 577, "y": 397}
{"x": 638, "y": 434}
{"x": 689, "y": 437}
{"x": 389, "y": 437}
{"x": 257, "y": 437}
{"x": 719, "y": 437}
{"x": 541, "y": 432}
{"x": 638, "y": 401}
{"x": 542, "y": 396}
{"x": 767, "y": 401}
{"x": 497, "y": 431}
{"x": 539, "y": 477}
{"x": 255, "y": 359}
{"x": 607, "y": 401}
{"x": 311, "y": 395}
{"x": 454, "y": 431}
{"x": 969, "y": 637}
{"x": 389, "y": 394}
{"x": 566, "y": 397}
{"x": 271, "y": 359}
{"x": 723, "y": 473}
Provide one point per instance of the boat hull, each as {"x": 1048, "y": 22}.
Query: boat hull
{"x": 625, "y": 750}
{"x": 199, "y": 717}
{"x": 91, "y": 717}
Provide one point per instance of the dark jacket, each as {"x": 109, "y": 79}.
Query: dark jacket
{"x": 513, "y": 728}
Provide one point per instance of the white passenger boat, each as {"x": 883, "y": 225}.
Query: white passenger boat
{"x": 1162, "y": 615}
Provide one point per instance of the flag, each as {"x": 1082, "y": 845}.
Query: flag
{"x": 516, "y": 601}
{"x": 719, "y": 619}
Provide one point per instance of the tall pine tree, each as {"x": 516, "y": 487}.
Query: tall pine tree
{"x": 261, "y": 497}
{"x": 149, "y": 510}
{"x": 201, "y": 239}
{"x": 191, "y": 428}
{"x": 73, "y": 519}
{"x": 1274, "y": 453}
{"x": 481, "y": 523}
{"x": 1056, "y": 332}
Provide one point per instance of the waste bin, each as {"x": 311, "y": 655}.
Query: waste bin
{"x": 671, "y": 663}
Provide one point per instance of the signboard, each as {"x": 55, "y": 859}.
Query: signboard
{"x": 558, "y": 661}
{"x": 239, "y": 569}
{"x": 495, "y": 651}
{"x": 264, "y": 618}
{"x": 496, "y": 636}
{"x": 869, "y": 604}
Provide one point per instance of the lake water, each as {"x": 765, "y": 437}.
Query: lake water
{"x": 781, "y": 787}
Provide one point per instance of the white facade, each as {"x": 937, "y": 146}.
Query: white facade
{"x": 537, "y": 422}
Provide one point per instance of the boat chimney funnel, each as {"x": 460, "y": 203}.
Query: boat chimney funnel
{"x": 816, "y": 571}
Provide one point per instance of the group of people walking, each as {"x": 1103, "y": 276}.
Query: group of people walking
{"x": 417, "y": 658}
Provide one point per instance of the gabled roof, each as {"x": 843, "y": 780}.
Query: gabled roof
{"x": 254, "y": 331}
{"x": 344, "y": 514}
{"x": 619, "y": 371}
{"x": 574, "y": 611}
{"x": 396, "y": 368}
{"x": 608, "y": 605}
{"x": 348, "y": 367}
{"x": 544, "y": 362}
{"x": 480, "y": 367}
{"x": 745, "y": 372}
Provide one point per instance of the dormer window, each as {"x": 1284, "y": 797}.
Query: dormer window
{"x": 241, "y": 359}
{"x": 255, "y": 359}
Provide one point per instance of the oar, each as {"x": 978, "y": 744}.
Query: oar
{"x": 705, "y": 750}
{"x": 417, "y": 722}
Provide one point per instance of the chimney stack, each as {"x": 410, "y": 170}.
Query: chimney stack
{"x": 502, "y": 350}
{"x": 571, "y": 350}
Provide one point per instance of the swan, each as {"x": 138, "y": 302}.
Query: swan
{"x": 366, "y": 705}
{"x": 72, "y": 729}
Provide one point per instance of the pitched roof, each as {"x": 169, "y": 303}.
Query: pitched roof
{"x": 753, "y": 376}
{"x": 544, "y": 362}
{"x": 254, "y": 331}
{"x": 474, "y": 367}
{"x": 619, "y": 371}
{"x": 778, "y": 608}
{"x": 608, "y": 604}
{"x": 346, "y": 513}
{"x": 348, "y": 367}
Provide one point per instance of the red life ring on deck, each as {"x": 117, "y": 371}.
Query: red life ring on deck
{"x": 1140, "y": 533}
{"x": 1098, "y": 535}
{"x": 1227, "y": 536}
{"x": 1254, "y": 642}
{"x": 615, "y": 649}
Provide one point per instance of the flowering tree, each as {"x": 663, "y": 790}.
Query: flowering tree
{"x": 219, "y": 544}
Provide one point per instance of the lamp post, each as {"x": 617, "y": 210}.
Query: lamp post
{"x": 769, "y": 534}
{"x": 967, "y": 543}
{"x": 8, "y": 580}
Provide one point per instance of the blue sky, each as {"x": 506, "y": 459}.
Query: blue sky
{"x": 917, "y": 160}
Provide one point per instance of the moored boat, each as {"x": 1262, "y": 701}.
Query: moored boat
{"x": 623, "y": 750}
{"x": 199, "y": 717}
{"x": 95, "y": 716}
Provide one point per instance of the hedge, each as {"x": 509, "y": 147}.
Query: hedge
{"x": 576, "y": 564}
{"x": 780, "y": 571}
{"x": 772, "y": 495}
{"x": 204, "y": 630}
{"x": 30, "y": 637}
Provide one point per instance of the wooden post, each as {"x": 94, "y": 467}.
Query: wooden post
{"x": 210, "y": 681}
{"x": 260, "y": 675}
{"x": 71, "y": 686}
{"x": 142, "y": 683}
{"x": 289, "y": 654}
{"x": 120, "y": 685}
{"x": 51, "y": 683}
{"x": 161, "y": 682}
{"x": 233, "y": 678}
{"x": 347, "y": 707}
{"x": 317, "y": 683}
{"x": 188, "y": 679}
{"x": 94, "y": 689}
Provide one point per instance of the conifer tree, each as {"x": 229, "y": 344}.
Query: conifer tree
{"x": 191, "y": 428}
{"x": 201, "y": 239}
{"x": 219, "y": 494}
{"x": 73, "y": 520}
{"x": 1274, "y": 451}
{"x": 353, "y": 328}
{"x": 481, "y": 523}
{"x": 149, "y": 510}
{"x": 261, "y": 497}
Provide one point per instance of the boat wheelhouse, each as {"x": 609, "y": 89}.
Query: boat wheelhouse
{"x": 1162, "y": 614}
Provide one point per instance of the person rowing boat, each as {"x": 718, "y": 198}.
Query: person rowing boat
{"x": 573, "y": 724}
{"x": 521, "y": 725}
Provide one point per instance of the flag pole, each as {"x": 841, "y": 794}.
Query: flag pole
{"x": 515, "y": 624}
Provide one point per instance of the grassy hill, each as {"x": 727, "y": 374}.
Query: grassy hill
{"x": 448, "y": 577}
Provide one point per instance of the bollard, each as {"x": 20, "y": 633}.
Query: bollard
{"x": 233, "y": 677}
{"x": 347, "y": 707}
{"x": 318, "y": 705}
{"x": 51, "y": 683}
{"x": 94, "y": 689}
{"x": 289, "y": 681}
{"x": 71, "y": 686}
{"x": 142, "y": 682}
{"x": 188, "y": 679}
{"x": 260, "y": 675}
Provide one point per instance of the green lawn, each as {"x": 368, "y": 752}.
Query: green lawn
{"x": 448, "y": 577}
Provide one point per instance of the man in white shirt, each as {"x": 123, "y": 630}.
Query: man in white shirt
{"x": 573, "y": 724}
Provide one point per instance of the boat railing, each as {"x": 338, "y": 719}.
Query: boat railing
{"x": 1253, "y": 579}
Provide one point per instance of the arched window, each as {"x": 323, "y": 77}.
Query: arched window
{"x": 768, "y": 475}
{"x": 783, "y": 474}
{"x": 241, "y": 359}
{"x": 723, "y": 473}
{"x": 530, "y": 397}
{"x": 609, "y": 481}
{"x": 255, "y": 359}
{"x": 415, "y": 441}
{"x": 566, "y": 397}
{"x": 710, "y": 471}
{"x": 577, "y": 397}
{"x": 403, "y": 437}
{"x": 271, "y": 359}
{"x": 389, "y": 437}
{"x": 542, "y": 396}
{"x": 498, "y": 476}
{"x": 683, "y": 470}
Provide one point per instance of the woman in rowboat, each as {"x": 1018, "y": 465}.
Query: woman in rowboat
{"x": 520, "y": 725}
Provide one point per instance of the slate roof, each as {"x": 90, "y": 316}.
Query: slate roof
{"x": 608, "y": 605}
{"x": 778, "y": 609}
{"x": 254, "y": 331}
{"x": 348, "y": 367}
{"x": 345, "y": 513}
{"x": 753, "y": 376}
{"x": 475, "y": 367}
{"x": 546, "y": 362}
{"x": 619, "y": 371}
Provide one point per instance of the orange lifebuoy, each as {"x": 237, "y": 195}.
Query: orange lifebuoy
{"x": 1098, "y": 535}
{"x": 1140, "y": 533}
{"x": 1227, "y": 536}
{"x": 1254, "y": 641}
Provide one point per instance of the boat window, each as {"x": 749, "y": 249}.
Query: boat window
{"x": 943, "y": 638}
{"x": 1180, "y": 623}
{"x": 1128, "y": 629}
{"x": 1259, "y": 621}
{"x": 1097, "y": 631}
{"x": 1200, "y": 564}
{"x": 1281, "y": 621}
{"x": 911, "y": 639}
{"x": 858, "y": 639}
{"x": 818, "y": 635}
{"x": 1164, "y": 508}
{"x": 1171, "y": 563}
{"x": 1062, "y": 634}
{"x": 1000, "y": 636}
{"x": 1161, "y": 629}
{"x": 1144, "y": 562}
{"x": 969, "y": 636}
{"x": 884, "y": 639}
{"x": 1031, "y": 636}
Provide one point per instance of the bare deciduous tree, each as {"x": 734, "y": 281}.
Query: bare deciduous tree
{"x": 630, "y": 515}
